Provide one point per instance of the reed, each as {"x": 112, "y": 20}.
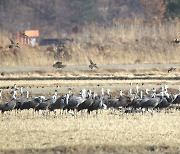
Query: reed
{"x": 123, "y": 42}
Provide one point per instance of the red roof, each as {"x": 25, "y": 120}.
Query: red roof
{"x": 32, "y": 33}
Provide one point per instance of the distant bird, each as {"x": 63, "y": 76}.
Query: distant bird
{"x": 176, "y": 41}
{"x": 85, "y": 104}
{"x": 150, "y": 103}
{"x": 13, "y": 44}
{"x": 164, "y": 102}
{"x": 92, "y": 64}
{"x": 96, "y": 105}
{"x": 72, "y": 102}
{"x": 118, "y": 103}
{"x": 45, "y": 104}
{"x": 171, "y": 69}
{"x": 8, "y": 106}
{"x": 58, "y": 104}
{"x": 59, "y": 65}
{"x": 176, "y": 100}
{"x": 22, "y": 34}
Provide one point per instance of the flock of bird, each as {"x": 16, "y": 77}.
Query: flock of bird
{"x": 135, "y": 101}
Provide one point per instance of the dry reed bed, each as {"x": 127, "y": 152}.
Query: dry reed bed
{"x": 120, "y": 43}
{"x": 107, "y": 133}
{"x": 132, "y": 42}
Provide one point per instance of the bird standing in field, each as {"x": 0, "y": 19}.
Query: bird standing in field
{"x": 92, "y": 65}
{"x": 13, "y": 44}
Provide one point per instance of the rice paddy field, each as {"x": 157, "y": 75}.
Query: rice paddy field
{"x": 109, "y": 132}
{"x": 125, "y": 53}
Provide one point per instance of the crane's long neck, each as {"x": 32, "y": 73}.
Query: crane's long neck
{"x": 154, "y": 92}
{"x": 137, "y": 88}
{"x": 130, "y": 89}
{"x": 166, "y": 88}
{"x": 102, "y": 91}
{"x": 55, "y": 95}
{"x": 14, "y": 94}
{"x": 67, "y": 98}
{"x": 141, "y": 94}
{"x": 27, "y": 94}
{"x": 89, "y": 94}
{"x": 120, "y": 93}
{"x": 101, "y": 100}
{"x": 83, "y": 93}
{"x": 108, "y": 92}
{"x": 0, "y": 94}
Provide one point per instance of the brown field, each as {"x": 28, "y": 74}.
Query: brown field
{"x": 108, "y": 133}
{"x": 78, "y": 77}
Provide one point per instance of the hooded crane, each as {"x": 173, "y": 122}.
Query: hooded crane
{"x": 33, "y": 103}
{"x": 21, "y": 100}
{"x": 164, "y": 102}
{"x": 58, "y": 104}
{"x": 165, "y": 98}
{"x": 176, "y": 100}
{"x": 72, "y": 102}
{"x": 46, "y": 103}
{"x": 10, "y": 105}
{"x": 150, "y": 104}
{"x": 96, "y": 105}
{"x": 84, "y": 105}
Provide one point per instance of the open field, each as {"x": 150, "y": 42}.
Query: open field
{"x": 126, "y": 51}
{"x": 46, "y": 79}
{"x": 74, "y": 71}
{"x": 108, "y": 133}
{"x": 140, "y": 45}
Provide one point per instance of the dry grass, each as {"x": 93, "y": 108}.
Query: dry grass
{"x": 128, "y": 43}
{"x": 124, "y": 42}
{"x": 26, "y": 56}
{"x": 106, "y": 134}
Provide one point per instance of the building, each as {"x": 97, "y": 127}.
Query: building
{"x": 28, "y": 37}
